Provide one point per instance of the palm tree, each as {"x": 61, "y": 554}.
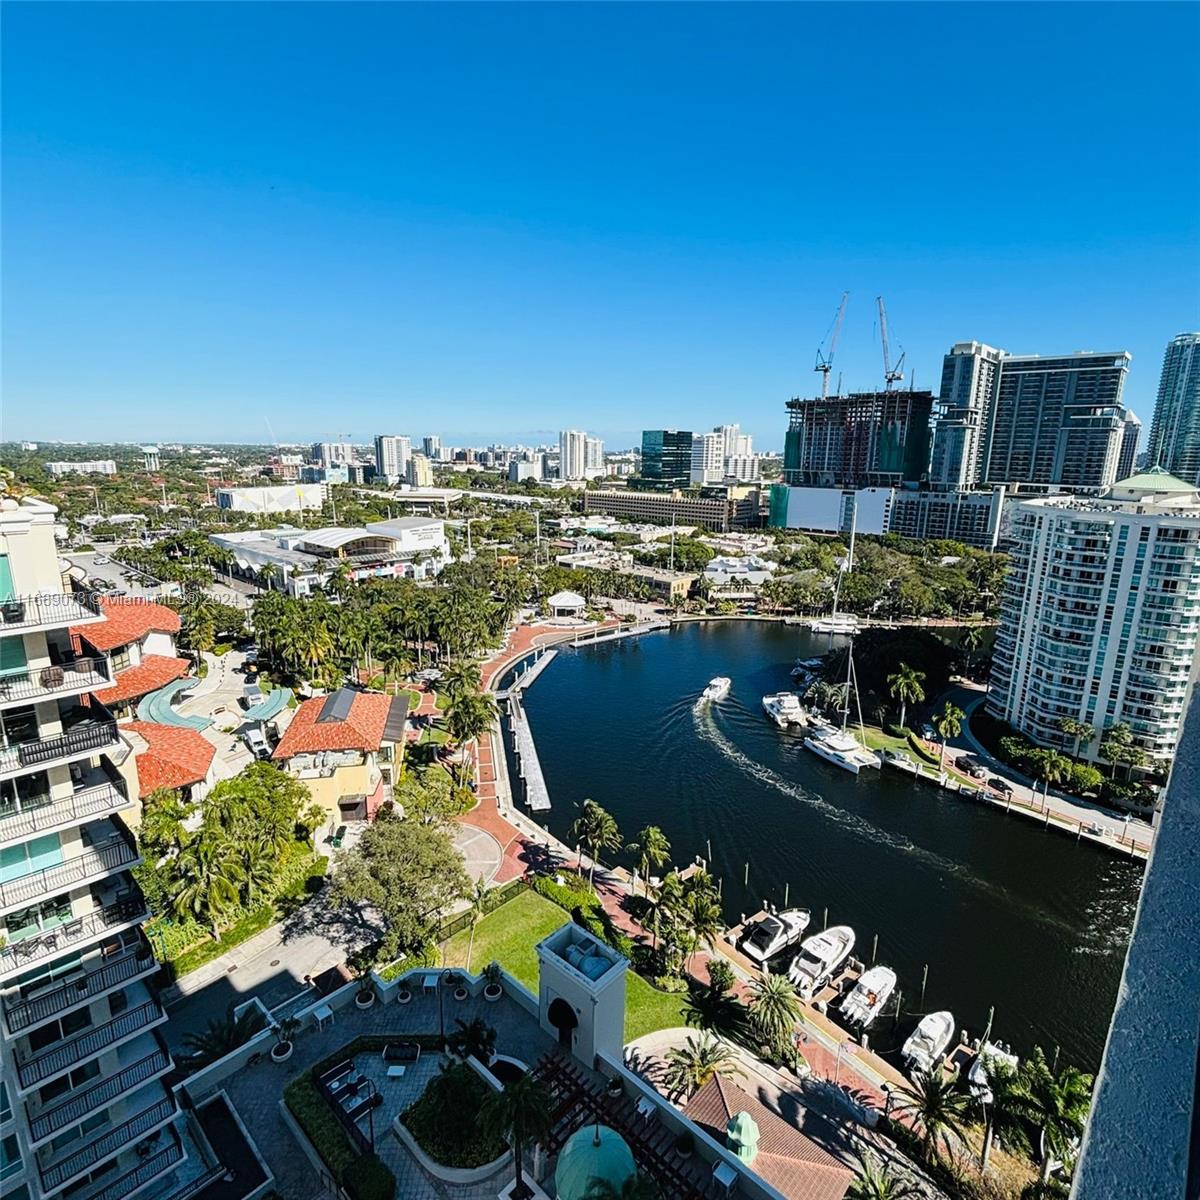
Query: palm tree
{"x": 469, "y": 717}
{"x": 905, "y": 685}
{"x": 1053, "y": 768}
{"x": 1055, "y": 1105}
{"x": 971, "y": 641}
{"x": 702, "y": 912}
{"x": 876, "y": 1182}
{"x": 935, "y": 1107}
{"x": 595, "y": 828}
{"x": 476, "y": 901}
{"x": 258, "y": 865}
{"x": 397, "y": 663}
{"x": 1080, "y": 731}
{"x": 209, "y": 874}
{"x": 519, "y": 1115}
{"x": 163, "y": 815}
{"x": 474, "y": 1039}
{"x": 692, "y": 1065}
{"x": 948, "y": 723}
{"x": 652, "y": 849}
{"x": 461, "y": 678}
{"x": 774, "y": 1007}
{"x": 222, "y": 1036}
{"x": 1000, "y": 1113}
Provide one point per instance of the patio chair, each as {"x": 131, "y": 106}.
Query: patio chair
{"x": 401, "y": 1052}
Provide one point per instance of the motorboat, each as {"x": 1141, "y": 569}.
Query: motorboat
{"x": 820, "y": 955}
{"x": 806, "y": 668}
{"x": 991, "y": 1055}
{"x": 717, "y": 688}
{"x": 927, "y": 1044}
{"x": 842, "y": 749}
{"x": 775, "y": 933}
{"x": 872, "y": 991}
{"x": 784, "y": 708}
{"x": 836, "y": 623}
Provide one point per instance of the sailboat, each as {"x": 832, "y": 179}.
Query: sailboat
{"x": 840, "y": 746}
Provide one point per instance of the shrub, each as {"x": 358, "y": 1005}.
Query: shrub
{"x": 368, "y": 1178}
{"x": 445, "y": 1120}
{"x": 720, "y": 975}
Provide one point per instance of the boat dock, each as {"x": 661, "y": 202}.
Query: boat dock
{"x": 622, "y": 631}
{"x": 528, "y": 675}
{"x": 528, "y": 765}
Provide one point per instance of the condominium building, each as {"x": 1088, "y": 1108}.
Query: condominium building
{"x": 419, "y": 472}
{"x": 745, "y": 468}
{"x": 720, "y": 510}
{"x": 432, "y": 446}
{"x": 83, "y": 1109}
{"x": 970, "y": 516}
{"x": 97, "y": 466}
{"x": 572, "y": 455}
{"x": 1131, "y": 436}
{"x": 330, "y": 454}
{"x": 667, "y": 457}
{"x": 970, "y": 373}
{"x": 1100, "y": 613}
{"x": 593, "y": 457}
{"x": 1175, "y": 431}
{"x": 391, "y": 456}
{"x": 708, "y": 458}
{"x": 735, "y": 443}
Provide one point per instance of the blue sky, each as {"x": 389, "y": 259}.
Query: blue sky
{"x": 499, "y": 221}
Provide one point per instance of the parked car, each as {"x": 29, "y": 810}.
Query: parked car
{"x": 100, "y": 560}
{"x": 1002, "y": 786}
{"x": 927, "y": 732}
{"x": 256, "y": 742}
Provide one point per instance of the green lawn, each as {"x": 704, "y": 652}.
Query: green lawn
{"x": 510, "y": 934}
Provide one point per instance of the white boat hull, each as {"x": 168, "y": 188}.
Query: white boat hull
{"x": 851, "y": 760}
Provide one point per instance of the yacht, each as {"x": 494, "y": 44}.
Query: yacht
{"x": 820, "y": 955}
{"x": 846, "y": 623}
{"x": 872, "y": 991}
{"x": 927, "y": 1044}
{"x": 717, "y": 688}
{"x": 784, "y": 708}
{"x": 842, "y": 749}
{"x": 991, "y": 1055}
{"x": 775, "y": 933}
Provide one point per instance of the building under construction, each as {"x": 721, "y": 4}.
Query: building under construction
{"x": 862, "y": 439}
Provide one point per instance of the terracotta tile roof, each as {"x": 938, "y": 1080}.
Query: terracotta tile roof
{"x": 174, "y": 756}
{"x": 788, "y": 1159}
{"x": 361, "y": 728}
{"x": 128, "y": 619}
{"x": 153, "y": 672}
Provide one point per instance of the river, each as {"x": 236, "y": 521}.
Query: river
{"x": 1003, "y": 913}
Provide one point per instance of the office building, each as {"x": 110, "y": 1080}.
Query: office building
{"x": 99, "y": 466}
{"x": 419, "y": 472}
{"x": 667, "y": 457}
{"x": 1100, "y": 612}
{"x": 830, "y": 509}
{"x": 83, "y": 1108}
{"x": 968, "y": 515}
{"x": 734, "y": 442}
{"x": 522, "y": 471}
{"x": 330, "y": 454}
{"x": 432, "y": 445}
{"x": 281, "y": 498}
{"x": 708, "y": 458}
{"x": 572, "y": 455}
{"x": 744, "y": 468}
{"x": 1175, "y": 430}
{"x": 717, "y": 509}
{"x": 1127, "y": 456}
{"x": 391, "y": 456}
{"x": 863, "y": 439}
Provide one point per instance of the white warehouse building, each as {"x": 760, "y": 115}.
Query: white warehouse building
{"x": 1100, "y": 614}
{"x": 292, "y": 497}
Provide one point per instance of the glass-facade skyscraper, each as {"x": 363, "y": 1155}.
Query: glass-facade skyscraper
{"x": 667, "y": 457}
{"x": 1175, "y": 432}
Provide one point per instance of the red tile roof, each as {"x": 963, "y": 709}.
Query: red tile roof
{"x": 362, "y": 729}
{"x": 153, "y": 672}
{"x": 127, "y": 619}
{"x": 788, "y": 1159}
{"x": 174, "y": 757}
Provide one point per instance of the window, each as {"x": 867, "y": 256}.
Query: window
{"x": 66, "y": 1083}
{"x": 10, "y": 1156}
{"x": 120, "y": 659}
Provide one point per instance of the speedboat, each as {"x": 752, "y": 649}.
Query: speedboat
{"x": 784, "y": 708}
{"x": 991, "y": 1055}
{"x": 775, "y": 933}
{"x": 927, "y": 1044}
{"x": 820, "y": 955}
{"x": 870, "y": 994}
{"x": 717, "y": 688}
{"x": 843, "y": 750}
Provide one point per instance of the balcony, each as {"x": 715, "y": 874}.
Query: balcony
{"x": 45, "y": 815}
{"x": 72, "y": 1052}
{"x": 150, "y": 1064}
{"x": 19, "y": 956}
{"x": 58, "y": 1174}
{"x": 86, "y": 732}
{"x": 114, "y": 852}
{"x": 145, "y": 1172}
{"x": 22, "y": 1012}
{"x": 72, "y": 676}
{"x": 48, "y": 610}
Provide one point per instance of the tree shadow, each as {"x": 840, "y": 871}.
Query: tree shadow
{"x": 720, "y": 1013}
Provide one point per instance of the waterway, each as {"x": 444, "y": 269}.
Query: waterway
{"x": 1002, "y": 913}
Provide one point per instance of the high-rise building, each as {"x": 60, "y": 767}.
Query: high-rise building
{"x": 593, "y": 456}
{"x": 81, "y": 1057}
{"x": 708, "y": 458}
{"x": 1100, "y": 612}
{"x": 1131, "y": 435}
{"x": 735, "y": 442}
{"x": 969, "y": 376}
{"x": 432, "y": 445}
{"x": 1175, "y": 430}
{"x": 572, "y": 455}
{"x": 744, "y": 468}
{"x": 667, "y": 457}
{"x": 419, "y": 472}
{"x": 331, "y": 454}
{"x": 863, "y": 439}
{"x": 391, "y": 456}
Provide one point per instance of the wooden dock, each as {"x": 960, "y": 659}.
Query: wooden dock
{"x": 528, "y": 765}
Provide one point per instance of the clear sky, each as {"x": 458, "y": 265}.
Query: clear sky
{"x": 500, "y": 221}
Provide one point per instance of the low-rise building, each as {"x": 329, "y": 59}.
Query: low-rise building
{"x": 718, "y": 509}
{"x": 733, "y": 577}
{"x": 96, "y": 466}
{"x": 273, "y": 499}
{"x": 973, "y": 516}
{"x": 831, "y": 509}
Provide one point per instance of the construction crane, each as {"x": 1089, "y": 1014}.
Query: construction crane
{"x": 824, "y": 362}
{"x": 890, "y": 374}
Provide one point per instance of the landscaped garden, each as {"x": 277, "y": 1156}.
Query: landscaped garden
{"x": 445, "y": 1119}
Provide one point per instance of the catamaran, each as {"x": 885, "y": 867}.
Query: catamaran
{"x": 840, "y": 746}
{"x": 820, "y": 955}
{"x": 775, "y": 933}
{"x": 870, "y": 994}
{"x": 784, "y": 708}
{"x": 717, "y": 688}
{"x": 927, "y": 1044}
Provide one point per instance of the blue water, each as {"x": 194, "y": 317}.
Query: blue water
{"x": 1001, "y": 912}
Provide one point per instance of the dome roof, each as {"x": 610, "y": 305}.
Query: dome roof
{"x": 591, "y": 1153}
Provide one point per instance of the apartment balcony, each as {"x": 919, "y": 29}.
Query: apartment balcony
{"x": 73, "y": 675}
{"x": 72, "y": 933}
{"x": 112, "y": 849}
{"x": 139, "y": 1062}
{"x": 46, "y": 1002}
{"x": 33, "y": 1070}
{"x": 85, "y": 732}
{"x": 48, "y": 610}
{"x": 153, "y": 1167}
{"x": 57, "y": 1171}
{"x": 31, "y": 817}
